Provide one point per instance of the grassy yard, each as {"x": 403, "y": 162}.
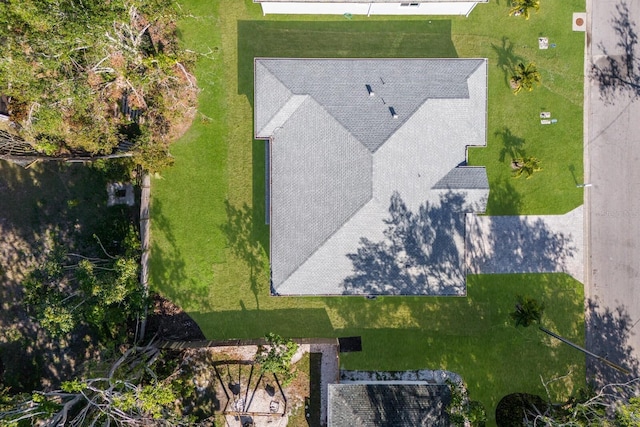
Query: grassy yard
{"x": 209, "y": 240}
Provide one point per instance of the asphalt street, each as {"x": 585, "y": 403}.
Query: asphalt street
{"x": 612, "y": 202}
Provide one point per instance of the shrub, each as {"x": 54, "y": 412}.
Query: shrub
{"x": 276, "y": 359}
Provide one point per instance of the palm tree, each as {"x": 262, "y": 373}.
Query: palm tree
{"x": 523, "y": 7}
{"x": 525, "y": 165}
{"x": 528, "y": 310}
{"x": 525, "y": 77}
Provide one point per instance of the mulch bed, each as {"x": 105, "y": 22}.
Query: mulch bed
{"x": 170, "y": 322}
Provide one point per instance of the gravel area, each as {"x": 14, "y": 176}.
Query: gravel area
{"x": 422, "y": 375}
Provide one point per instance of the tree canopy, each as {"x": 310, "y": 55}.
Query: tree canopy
{"x": 525, "y": 77}
{"x": 276, "y": 357}
{"x": 89, "y": 75}
{"x": 103, "y": 293}
{"x": 523, "y": 7}
{"x": 139, "y": 388}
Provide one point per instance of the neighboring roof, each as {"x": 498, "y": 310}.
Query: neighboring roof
{"x": 339, "y": 158}
{"x": 392, "y": 405}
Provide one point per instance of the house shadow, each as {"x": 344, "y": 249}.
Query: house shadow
{"x": 339, "y": 39}
{"x": 260, "y": 196}
{"x": 504, "y": 199}
{"x": 619, "y": 74}
{"x": 420, "y": 255}
{"x": 243, "y": 323}
{"x": 607, "y": 335}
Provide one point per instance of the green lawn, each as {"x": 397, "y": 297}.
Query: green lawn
{"x": 209, "y": 240}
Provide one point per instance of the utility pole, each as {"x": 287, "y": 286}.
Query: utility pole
{"x": 585, "y": 351}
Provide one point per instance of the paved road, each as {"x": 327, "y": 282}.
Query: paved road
{"x": 612, "y": 214}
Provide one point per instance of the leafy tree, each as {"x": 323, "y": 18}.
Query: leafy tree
{"x": 462, "y": 411}
{"x": 525, "y": 166}
{"x": 525, "y": 77}
{"x": 523, "y": 7}
{"x": 71, "y": 289}
{"x": 528, "y": 310}
{"x": 628, "y": 415}
{"x": 88, "y": 75}
{"x": 130, "y": 392}
{"x": 276, "y": 357}
{"x": 614, "y": 405}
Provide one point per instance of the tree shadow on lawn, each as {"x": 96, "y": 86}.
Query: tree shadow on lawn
{"x": 338, "y": 39}
{"x": 512, "y": 146}
{"x": 507, "y": 59}
{"x": 619, "y": 74}
{"x": 241, "y": 237}
{"x": 52, "y": 197}
{"x": 607, "y": 335}
{"x": 167, "y": 265}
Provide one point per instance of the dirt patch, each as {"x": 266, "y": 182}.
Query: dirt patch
{"x": 170, "y": 322}
{"x": 226, "y": 380}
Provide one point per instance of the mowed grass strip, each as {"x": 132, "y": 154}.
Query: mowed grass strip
{"x": 473, "y": 336}
{"x": 210, "y": 243}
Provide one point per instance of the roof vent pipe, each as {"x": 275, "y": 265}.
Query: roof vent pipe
{"x": 393, "y": 112}
{"x": 370, "y": 90}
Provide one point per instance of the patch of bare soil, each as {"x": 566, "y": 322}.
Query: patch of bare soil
{"x": 229, "y": 387}
{"x": 170, "y": 322}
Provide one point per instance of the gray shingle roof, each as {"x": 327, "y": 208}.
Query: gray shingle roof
{"x": 340, "y": 87}
{"x": 464, "y": 177}
{"x": 392, "y": 405}
{"x": 310, "y": 187}
{"x": 338, "y": 156}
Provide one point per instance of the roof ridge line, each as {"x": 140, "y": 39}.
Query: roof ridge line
{"x": 276, "y": 122}
{"x": 321, "y": 244}
{"x": 404, "y": 122}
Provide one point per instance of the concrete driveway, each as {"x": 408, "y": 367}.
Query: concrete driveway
{"x": 525, "y": 244}
{"x": 612, "y": 203}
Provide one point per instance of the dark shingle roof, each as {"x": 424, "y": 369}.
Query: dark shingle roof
{"x": 388, "y": 405}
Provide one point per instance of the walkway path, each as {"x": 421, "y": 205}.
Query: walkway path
{"x": 612, "y": 215}
{"x": 526, "y": 244}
